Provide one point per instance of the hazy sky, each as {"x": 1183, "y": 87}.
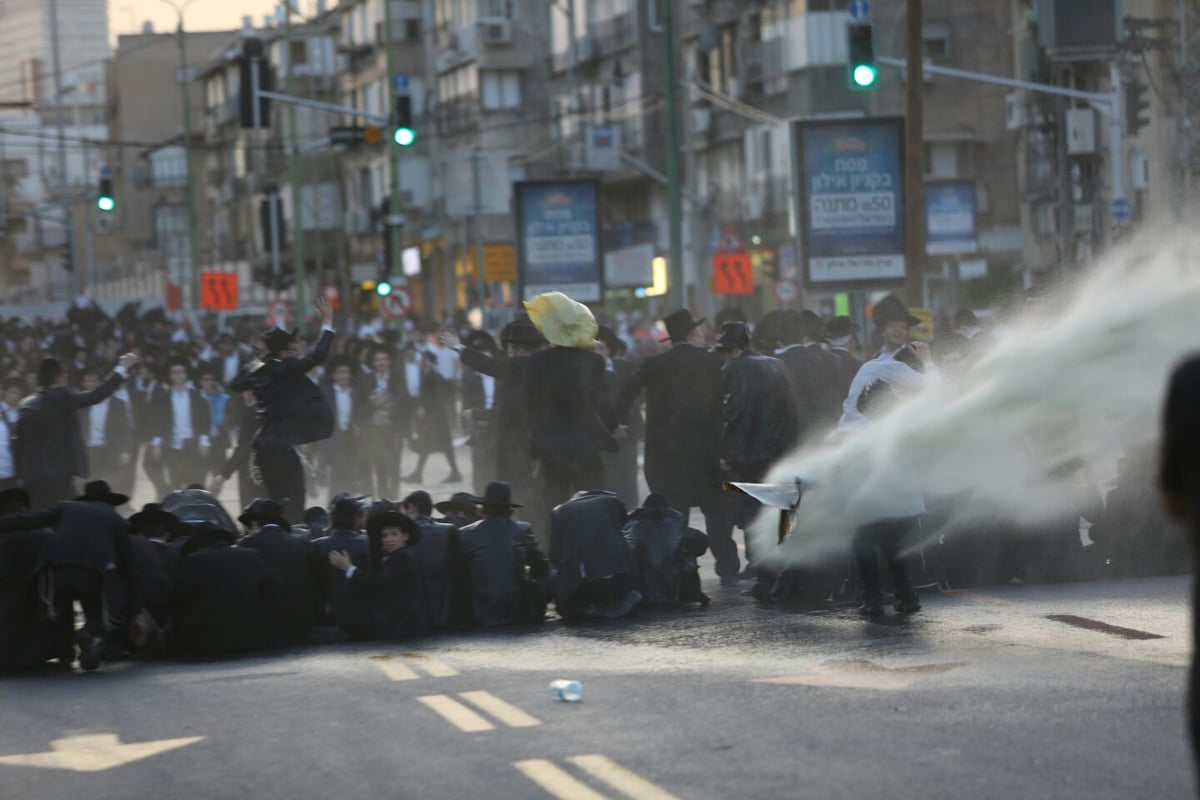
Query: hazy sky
{"x": 127, "y": 16}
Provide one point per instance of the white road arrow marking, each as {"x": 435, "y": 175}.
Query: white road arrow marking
{"x": 95, "y": 753}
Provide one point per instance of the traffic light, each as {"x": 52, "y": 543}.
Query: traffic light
{"x": 254, "y": 64}
{"x": 405, "y": 134}
{"x": 104, "y": 195}
{"x": 383, "y": 288}
{"x": 1136, "y": 104}
{"x": 861, "y": 68}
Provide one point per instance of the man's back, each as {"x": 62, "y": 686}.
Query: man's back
{"x": 759, "y": 415}
{"x": 289, "y": 559}
{"x": 223, "y": 597}
{"x": 493, "y": 554}
{"x": 566, "y": 402}
{"x": 435, "y": 555}
{"x": 291, "y": 408}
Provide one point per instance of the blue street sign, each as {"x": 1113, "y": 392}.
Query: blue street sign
{"x": 1121, "y": 209}
{"x": 399, "y": 84}
{"x": 860, "y": 10}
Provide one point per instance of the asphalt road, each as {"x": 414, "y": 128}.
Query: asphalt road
{"x": 1004, "y": 693}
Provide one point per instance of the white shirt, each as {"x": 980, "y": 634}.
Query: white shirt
{"x": 489, "y": 390}
{"x": 98, "y": 424}
{"x": 884, "y": 368}
{"x": 412, "y": 374}
{"x": 232, "y": 364}
{"x": 10, "y": 413}
{"x": 7, "y": 468}
{"x": 181, "y": 418}
{"x": 343, "y": 399}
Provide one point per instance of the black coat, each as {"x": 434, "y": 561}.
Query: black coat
{"x": 91, "y": 535}
{"x": 396, "y": 594}
{"x": 436, "y": 554}
{"x": 291, "y": 560}
{"x": 431, "y": 421}
{"x": 48, "y": 445}
{"x": 511, "y": 424}
{"x": 162, "y": 416}
{"x": 497, "y": 557}
{"x": 152, "y": 573}
{"x": 223, "y": 603}
{"x": 339, "y": 605}
{"x": 569, "y": 411}
{"x": 27, "y": 638}
{"x": 812, "y": 377}
{"x": 759, "y": 414}
{"x": 118, "y": 431}
{"x": 683, "y": 422}
{"x": 665, "y": 550}
{"x": 587, "y": 542}
{"x": 291, "y": 408}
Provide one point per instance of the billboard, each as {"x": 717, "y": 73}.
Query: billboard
{"x": 558, "y": 239}
{"x": 950, "y": 218}
{"x": 851, "y": 199}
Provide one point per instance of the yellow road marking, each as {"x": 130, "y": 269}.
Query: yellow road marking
{"x": 394, "y": 668}
{"x": 457, "y": 714}
{"x": 506, "y": 712}
{"x": 436, "y": 669}
{"x": 556, "y": 781}
{"x": 95, "y": 753}
{"x": 624, "y": 781}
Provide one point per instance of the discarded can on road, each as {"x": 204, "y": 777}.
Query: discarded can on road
{"x": 566, "y": 691}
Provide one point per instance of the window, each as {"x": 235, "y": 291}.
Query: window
{"x": 495, "y": 9}
{"x": 169, "y": 167}
{"x": 297, "y": 53}
{"x": 936, "y": 37}
{"x": 412, "y": 30}
{"x": 501, "y": 90}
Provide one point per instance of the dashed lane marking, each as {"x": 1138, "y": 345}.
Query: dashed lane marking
{"x": 557, "y": 781}
{"x": 506, "y": 712}
{"x": 394, "y": 668}
{"x": 1103, "y": 627}
{"x": 95, "y": 753}
{"x": 435, "y": 668}
{"x": 861, "y": 674}
{"x": 623, "y": 780}
{"x": 457, "y": 714}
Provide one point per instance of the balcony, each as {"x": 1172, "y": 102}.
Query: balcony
{"x": 459, "y": 114}
{"x": 615, "y": 34}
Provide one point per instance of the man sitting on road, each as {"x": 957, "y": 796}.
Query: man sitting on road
{"x": 595, "y": 572}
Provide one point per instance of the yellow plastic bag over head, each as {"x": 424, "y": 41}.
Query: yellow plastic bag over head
{"x": 563, "y": 321}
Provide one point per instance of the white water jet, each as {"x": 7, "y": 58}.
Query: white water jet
{"x": 1080, "y": 380}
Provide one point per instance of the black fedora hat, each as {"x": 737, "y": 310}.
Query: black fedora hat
{"x": 393, "y": 519}
{"x": 892, "y": 309}
{"x": 265, "y": 512}
{"x": 152, "y": 516}
{"x": 99, "y": 492}
{"x": 734, "y": 335}
{"x": 840, "y": 327}
{"x": 278, "y": 339}
{"x": 498, "y": 494}
{"x": 679, "y": 325}
{"x": 522, "y": 332}
{"x": 459, "y": 501}
{"x": 480, "y": 340}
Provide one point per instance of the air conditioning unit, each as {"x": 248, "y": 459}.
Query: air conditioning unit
{"x": 496, "y": 32}
{"x": 1014, "y": 111}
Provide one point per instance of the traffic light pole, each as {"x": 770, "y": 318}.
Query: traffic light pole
{"x": 914, "y": 158}
{"x": 185, "y": 80}
{"x": 301, "y": 280}
{"x": 678, "y": 292}
{"x": 391, "y": 228}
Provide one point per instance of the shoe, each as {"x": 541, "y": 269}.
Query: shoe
{"x": 89, "y": 658}
{"x": 871, "y": 609}
{"x": 907, "y": 607}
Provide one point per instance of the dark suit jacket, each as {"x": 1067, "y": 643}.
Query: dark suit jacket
{"x": 759, "y": 414}
{"x": 48, "y": 445}
{"x": 510, "y": 413}
{"x": 397, "y": 595}
{"x": 118, "y": 435}
{"x": 587, "y": 542}
{"x": 291, "y": 408}
{"x": 291, "y": 560}
{"x": 436, "y": 555}
{"x": 336, "y": 601}
{"x": 357, "y": 409}
{"x": 162, "y": 415}
{"x": 569, "y": 411}
{"x": 494, "y": 555}
{"x": 683, "y": 422}
{"x": 223, "y": 598}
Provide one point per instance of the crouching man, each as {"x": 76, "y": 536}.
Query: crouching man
{"x": 595, "y": 571}
{"x": 665, "y": 550}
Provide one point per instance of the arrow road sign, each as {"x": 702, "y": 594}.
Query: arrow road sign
{"x": 860, "y": 10}
{"x": 1121, "y": 209}
{"x": 96, "y": 753}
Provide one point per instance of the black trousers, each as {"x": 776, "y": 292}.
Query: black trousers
{"x": 383, "y": 449}
{"x": 71, "y": 584}
{"x": 283, "y": 479}
{"x": 563, "y": 477}
{"x": 885, "y": 538}
{"x": 718, "y": 524}
{"x": 743, "y": 508}
{"x": 183, "y": 467}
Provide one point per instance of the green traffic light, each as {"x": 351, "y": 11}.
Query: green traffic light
{"x": 405, "y": 137}
{"x": 106, "y": 203}
{"x": 383, "y": 288}
{"x": 864, "y": 75}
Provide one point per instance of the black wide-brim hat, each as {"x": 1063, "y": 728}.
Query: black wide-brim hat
{"x": 459, "y": 501}
{"x": 99, "y": 492}
{"x": 153, "y": 516}
{"x": 522, "y": 332}
{"x": 264, "y": 512}
{"x": 278, "y": 339}
{"x": 734, "y": 335}
{"x": 839, "y": 327}
{"x": 680, "y": 325}
{"x": 497, "y": 495}
{"x": 393, "y": 519}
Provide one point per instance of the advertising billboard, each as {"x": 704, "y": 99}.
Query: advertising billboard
{"x": 558, "y": 237}
{"x": 950, "y": 218}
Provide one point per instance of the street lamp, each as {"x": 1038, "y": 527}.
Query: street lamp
{"x": 185, "y": 80}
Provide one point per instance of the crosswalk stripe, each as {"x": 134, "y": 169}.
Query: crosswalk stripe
{"x": 457, "y": 714}
{"x": 394, "y": 668}
{"x": 506, "y": 712}
{"x": 556, "y": 781}
{"x": 624, "y": 781}
{"x": 436, "y": 669}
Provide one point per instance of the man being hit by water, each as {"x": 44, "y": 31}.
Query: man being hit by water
{"x": 879, "y": 385}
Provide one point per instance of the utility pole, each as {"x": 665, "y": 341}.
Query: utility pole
{"x": 677, "y": 290}
{"x": 392, "y": 228}
{"x": 68, "y": 222}
{"x": 477, "y": 188}
{"x": 301, "y": 280}
{"x": 914, "y": 157}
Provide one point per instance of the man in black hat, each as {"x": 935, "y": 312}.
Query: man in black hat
{"x": 459, "y": 511}
{"x": 88, "y": 562}
{"x": 841, "y": 333}
{"x": 294, "y": 599}
{"x": 436, "y": 555}
{"x": 291, "y": 409}
{"x": 500, "y": 566}
{"x": 335, "y": 600}
{"x": 594, "y": 570}
{"x": 49, "y": 450}
{"x": 386, "y": 423}
{"x": 27, "y": 638}
{"x": 759, "y": 422}
{"x": 682, "y": 388}
{"x": 479, "y": 397}
{"x": 344, "y": 451}
{"x": 432, "y": 408}
{"x": 894, "y": 322}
